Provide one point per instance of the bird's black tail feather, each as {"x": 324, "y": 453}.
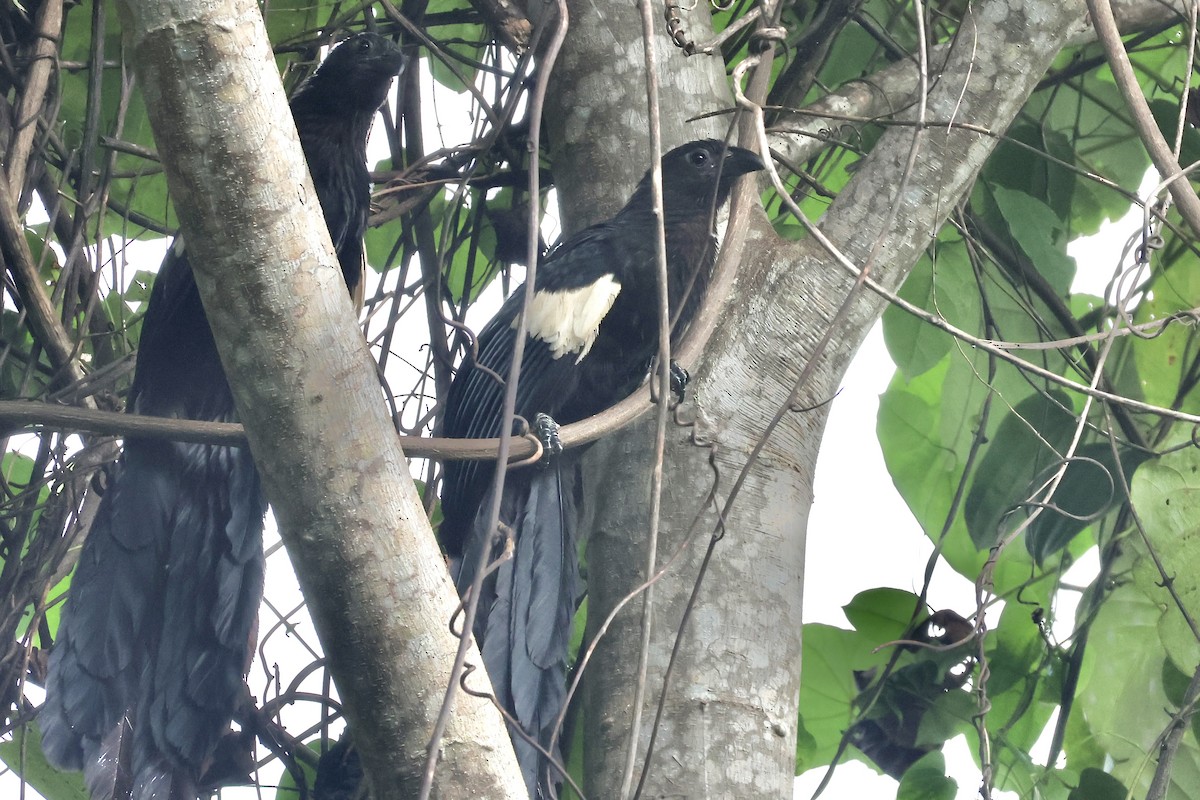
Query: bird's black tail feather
{"x": 96, "y": 663}
{"x": 157, "y": 630}
{"x": 527, "y": 605}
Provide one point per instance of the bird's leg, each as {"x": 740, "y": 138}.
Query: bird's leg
{"x": 546, "y": 430}
{"x": 680, "y": 378}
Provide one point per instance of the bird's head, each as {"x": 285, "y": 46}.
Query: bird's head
{"x": 694, "y": 172}
{"x": 356, "y": 73}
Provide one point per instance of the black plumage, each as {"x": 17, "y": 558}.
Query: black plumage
{"x": 593, "y": 332}
{"x": 156, "y": 635}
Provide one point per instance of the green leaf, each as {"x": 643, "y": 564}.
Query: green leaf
{"x": 806, "y": 746}
{"x": 287, "y": 789}
{"x": 578, "y": 628}
{"x": 1166, "y": 493}
{"x": 1096, "y": 784}
{"x": 927, "y": 780}
{"x": 1090, "y": 487}
{"x": 1125, "y": 650}
{"x": 849, "y": 57}
{"x": 1027, "y": 443}
{"x": 943, "y": 285}
{"x": 1077, "y": 123}
{"x": 830, "y": 657}
{"x": 16, "y": 379}
{"x": 18, "y": 470}
{"x": 45, "y": 258}
{"x": 575, "y": 756}
{"x": 23, "y": 755}
{"x": 948, "y": 716}
{"x": 1037, "y": 230}
{"x": 140, "y": 185}
{"x": 53, "y": 613}
{"x": 288, "y": 20}
{"x": 473, "y": 263}
{"x": 925, "y": 459}
{"x": 1159, "y": 369}
{"x": 1082, "y": 749}
{"x": 1175, "y": 684}
{"x": 465, "y": 39}
{"x": 1023, "y": 683}
{"x": 881, "y": 615}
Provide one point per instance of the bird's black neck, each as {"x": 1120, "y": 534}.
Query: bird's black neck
{"x": 321, "y": 128}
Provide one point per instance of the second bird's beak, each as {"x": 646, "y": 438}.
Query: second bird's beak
{"x": 740, "y": 161}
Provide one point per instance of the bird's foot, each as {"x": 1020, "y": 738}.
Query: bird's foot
{"x": 546, "y": 430}
{"x": 680, "y": 378}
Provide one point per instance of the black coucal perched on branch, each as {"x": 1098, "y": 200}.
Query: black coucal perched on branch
{"x": 155, "y": 639}
{"x": 592, "y": 333}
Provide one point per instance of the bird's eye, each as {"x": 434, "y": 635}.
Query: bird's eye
{"x": 698, "y": 158}
{"x": 364, "y": 45}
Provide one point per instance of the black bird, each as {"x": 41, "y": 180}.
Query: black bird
{"x": 156, "y": 635}
{"x": 592, "y": 334}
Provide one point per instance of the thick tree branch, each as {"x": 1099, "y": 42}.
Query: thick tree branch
{"x": 887, "y": 93}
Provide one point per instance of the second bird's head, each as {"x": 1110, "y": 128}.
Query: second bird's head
{"x": 697, "y": 173}
{"x": 358, "y": 71}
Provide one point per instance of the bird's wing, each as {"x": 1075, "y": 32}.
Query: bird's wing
{"x": 575, "y": 288}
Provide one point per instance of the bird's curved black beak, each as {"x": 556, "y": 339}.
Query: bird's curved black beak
{"x": 740, "y": 161}
{"x": 390, "y": 60}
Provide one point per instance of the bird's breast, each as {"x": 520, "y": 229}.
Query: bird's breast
{"x": 568, "y": 320}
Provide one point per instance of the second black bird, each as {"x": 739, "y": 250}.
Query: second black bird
{"x": 148, "y": 666}
{"x": 592, "y": 334}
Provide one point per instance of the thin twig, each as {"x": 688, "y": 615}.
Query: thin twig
{"x": 649, "y": 24}
{"x": 1170, "y": 743}
{"x": 48, "y": 23}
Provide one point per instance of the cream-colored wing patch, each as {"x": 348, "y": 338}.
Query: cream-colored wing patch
{"x": 568, "y": 321}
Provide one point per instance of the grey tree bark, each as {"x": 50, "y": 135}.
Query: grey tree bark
{"x": 729, "y": 728}
{"x": 307, "y": 392}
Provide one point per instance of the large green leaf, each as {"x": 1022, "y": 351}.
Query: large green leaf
{"x": 942, "y": 283}
{"x": 23, "y": 755}
{"x": 288, "y": 20}
{"x": 881, "y": 615}
{"x": 1159, "y": 368}
{"x": 927, "y": 780}
{"x": 1030, "y": 441}
{"x": 288, "y": 789}
{"x": 466, "y": 40}
{"x": 1023, "y": 680}
{"x": 1166, "y": 494}
{"x": 1096, "y": 784}
{"x": 1090, "y": 487}
{"x": 138, "y": 184}
{"x": 1124, "y": 702}
{"x": 827, "y": 692}
{"x": 1036, "y": 229}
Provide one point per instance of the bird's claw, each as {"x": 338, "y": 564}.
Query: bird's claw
{"x": 546, "y": 430}
{"x": 680, "y": 378}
